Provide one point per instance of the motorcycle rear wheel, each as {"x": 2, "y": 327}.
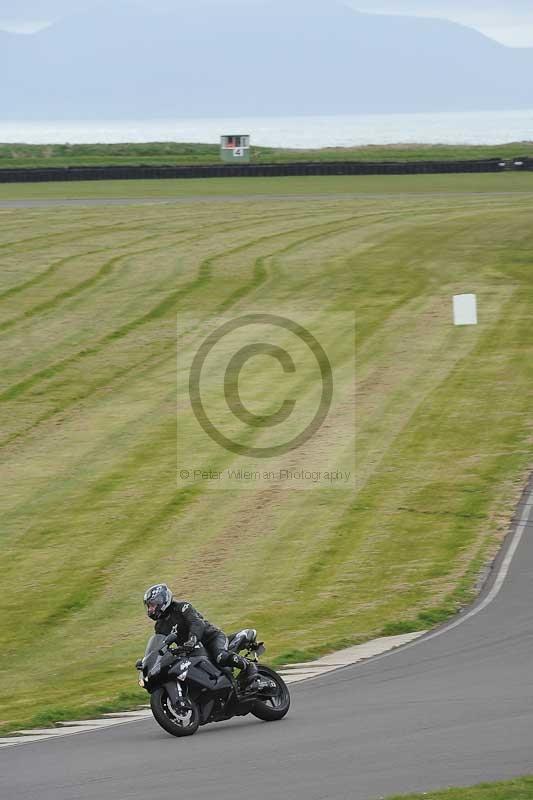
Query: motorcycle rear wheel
{"x": 274, "y": 708}
{"x": 166, "y": 716}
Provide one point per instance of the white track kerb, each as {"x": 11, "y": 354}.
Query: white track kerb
{"x": 296, "y": 673}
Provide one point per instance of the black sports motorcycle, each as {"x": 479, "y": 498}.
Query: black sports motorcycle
{"x": 187, "y": 690}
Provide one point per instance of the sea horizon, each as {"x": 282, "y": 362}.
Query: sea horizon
{"x": 446, "y": 127}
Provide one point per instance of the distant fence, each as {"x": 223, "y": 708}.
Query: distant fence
{"x": 148, "y": 172}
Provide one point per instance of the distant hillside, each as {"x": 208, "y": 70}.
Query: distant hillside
{"x": 273, "y": 57}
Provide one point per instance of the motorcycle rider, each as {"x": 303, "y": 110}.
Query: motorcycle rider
{"x": 192, "y": 628}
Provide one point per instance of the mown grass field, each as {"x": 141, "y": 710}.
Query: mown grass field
{"x": 91, "y": 510}
{"x": 60, "y": 155}
{"x": 519, "y": 789}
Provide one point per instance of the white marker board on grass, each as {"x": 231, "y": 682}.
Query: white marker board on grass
{"x": 465, "y": 309}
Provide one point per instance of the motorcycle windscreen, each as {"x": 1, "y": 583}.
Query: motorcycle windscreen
{"x": 155, "y": 643}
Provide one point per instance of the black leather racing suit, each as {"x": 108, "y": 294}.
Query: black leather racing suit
{"x": 189, "y": 622}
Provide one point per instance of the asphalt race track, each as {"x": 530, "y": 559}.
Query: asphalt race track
{"x": 454, "y": 708}
{"x": 240, "y": 198}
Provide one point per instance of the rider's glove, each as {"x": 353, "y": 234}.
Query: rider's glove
{"x": 191, "y": 643}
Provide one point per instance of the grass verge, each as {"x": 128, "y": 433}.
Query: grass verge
{"x": 518, "y": 789}
{"x": 62, "y": 155}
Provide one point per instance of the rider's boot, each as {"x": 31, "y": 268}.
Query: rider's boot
{"x": 249, "y": 674}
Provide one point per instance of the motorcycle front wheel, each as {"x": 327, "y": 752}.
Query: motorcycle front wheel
{"x": 277, "y": 706}
{"x": 169, "y": 719}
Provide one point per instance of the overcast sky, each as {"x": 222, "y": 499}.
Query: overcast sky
{"x": 508, "y": 21}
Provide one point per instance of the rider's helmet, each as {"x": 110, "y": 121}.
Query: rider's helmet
{"x": 157, "y": 599}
